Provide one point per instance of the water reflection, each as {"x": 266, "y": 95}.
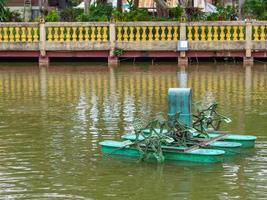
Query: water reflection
{"x": 182, "y": 78}
{"x": 52, "y": 120}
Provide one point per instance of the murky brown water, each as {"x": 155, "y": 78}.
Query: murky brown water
{"x": 52, "y": 120}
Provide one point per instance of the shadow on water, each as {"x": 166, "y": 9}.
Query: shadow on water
{"x": 178, "y": 166}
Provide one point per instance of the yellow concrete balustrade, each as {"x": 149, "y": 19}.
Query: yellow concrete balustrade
{"x": 215, "y": 32}
{"x": 132, "y": 31}
{"x": 259, "y": 32}
{"x": 222, "y": 37}
{"x": 11, "y": 32}
{"x": 70, "y": 33}
{"x": 147, "y": 32}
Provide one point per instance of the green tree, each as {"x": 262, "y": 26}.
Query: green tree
{"x": 3, "y": 10}
{"x": 255, "y": 9}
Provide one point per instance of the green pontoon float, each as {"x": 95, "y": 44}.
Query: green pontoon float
{"x": 247, "y": 141}
{"x": 110, "y": 147}
{"x": 230, "y": 148}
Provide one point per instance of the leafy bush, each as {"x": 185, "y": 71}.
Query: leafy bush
{"x": 83, "y": 17}
{"x": 139, "y": 15}
{"x": 70, "y": 15}
{"x": 135, "y": 15}
{"x": 195, "y": 14}
{"x": 72, "y": 3}
{"x": 3, "y": 11}
{"x": 118, "y": 52}
{"x": 222, "y": 14}
{"x": 100, "y": 12}
{"x": 176, "y": 12}
{"x": 52, "y": 16}
{"x": 13, "y": 16}
{"x": 161, "y": 19}
{"x": 8, "y": 16}
{"x": 37, "y": 19}
{"x": 255, "y": 9}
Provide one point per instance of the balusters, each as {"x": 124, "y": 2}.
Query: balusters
{"x": 175, "y": 33}
{"x": 221, "y": 33}
{"x": 105, "y": 33}
{"x": 163, "y": 33}
{"x": 56, "y": 36}
{"x": 215, "y": 33}
{"x": 11, "y": 36}
{"x": 256, "y": 33}
{"x": 241, "y": 33}
{"x": 262, "y": 35}
{"x": 150, "y": 33}
{"x": 119, "y": 35}
{"x": 125, "y": 33}
{"x": 98, "y": 36}
{"x": 23, "y": 34}
{"x": 203, "y": 34}
{"x": 93, "y": 33}
{"x": 196, "y": 38}
{"x": 0, "y": 34}
{"x": 86, "y": 34}
{"x": 137, "y": 36}
{"x": 209, "y": 35}
{"x": 80, "y": 35}
{"x": 68, "y": 34}
{"x": 228, "y": 33}
{"x": 169, "y": 35}
{"x": 29, "y": 34}
{"x": 189, "y": 35}
{"x": 235, "y": 33}
{"x": 50, "y": 36}
{"x": 131, "y": 33}
{"x": 35, "y": 34}
{"x": 5, "y": 35}
{"x": 144, "y": 33}
{"x": 74, "y": 34}
{"x": 160, "y": 33}
{"x": 17, "y": 34}
{"x": 156, "y": 33}
{"x": 61, "y": 35}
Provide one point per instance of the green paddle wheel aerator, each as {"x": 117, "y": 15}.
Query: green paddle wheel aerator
{"x": 179, "y": 137}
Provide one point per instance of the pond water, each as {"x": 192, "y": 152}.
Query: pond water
{"x": 51, "y": 121}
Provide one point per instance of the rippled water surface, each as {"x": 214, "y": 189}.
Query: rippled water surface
{"x": 52, "y": 120}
